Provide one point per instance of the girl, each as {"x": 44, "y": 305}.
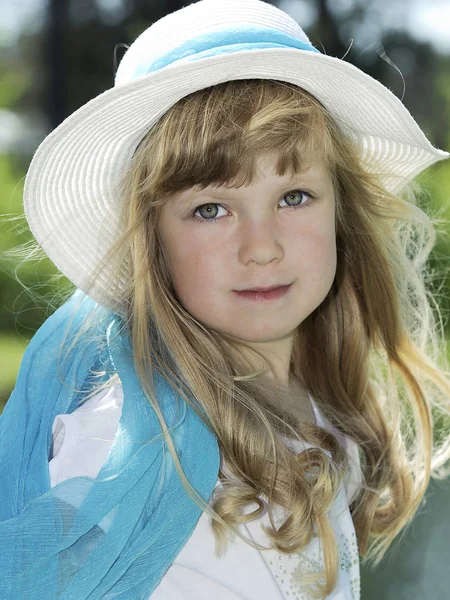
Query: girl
{"x": 238, "y": 399}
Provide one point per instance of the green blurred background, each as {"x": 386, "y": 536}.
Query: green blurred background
{"x": 55, "y": 55}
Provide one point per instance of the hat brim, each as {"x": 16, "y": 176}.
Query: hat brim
{"x": 71, "y": 198}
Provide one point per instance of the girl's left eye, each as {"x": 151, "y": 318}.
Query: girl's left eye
{"x": 292, "y": 197}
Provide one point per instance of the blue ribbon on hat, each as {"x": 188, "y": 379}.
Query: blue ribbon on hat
{"x": 223, "y": 41}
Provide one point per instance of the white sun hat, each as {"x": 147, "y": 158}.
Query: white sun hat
{"x": 71, "y": 197}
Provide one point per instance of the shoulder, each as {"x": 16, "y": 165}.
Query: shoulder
{"x": 81, "y": 440}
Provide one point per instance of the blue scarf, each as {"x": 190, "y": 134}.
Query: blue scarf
{"x": 110, "y": 537}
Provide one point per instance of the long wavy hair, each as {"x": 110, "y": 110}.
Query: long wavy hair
{"x": 372, "y": 353}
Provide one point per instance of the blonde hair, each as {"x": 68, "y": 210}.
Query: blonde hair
{"x": 370, "y": 353}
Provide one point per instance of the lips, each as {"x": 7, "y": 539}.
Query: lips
{"x": 264, "y": 289}
{"x": 270, "y": 293}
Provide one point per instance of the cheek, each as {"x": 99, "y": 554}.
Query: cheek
{"x": 193, "y": 267}
{"x": 194, "y": 263}
{"x": 326, "y": 263}
{"x": 317, "y": 254}
{"x": 329, "y": 262}
{"x": 324, "y": 249}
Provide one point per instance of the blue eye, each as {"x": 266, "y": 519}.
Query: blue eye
{"x": 210, "y": 209}
{"x": 292, "y": 196}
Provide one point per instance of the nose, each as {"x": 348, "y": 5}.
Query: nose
{"x": 260, "y": 241}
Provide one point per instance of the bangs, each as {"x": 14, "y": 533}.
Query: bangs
{"x": 214, "y": 136}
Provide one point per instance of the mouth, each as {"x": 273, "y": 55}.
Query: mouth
{"x": 264, "y": 289}
{"x": 263, "y": 294}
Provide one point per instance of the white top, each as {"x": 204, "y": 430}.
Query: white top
{"x": 81, "y": 443}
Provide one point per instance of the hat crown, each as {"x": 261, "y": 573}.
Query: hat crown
{"x": 198, "y": 20}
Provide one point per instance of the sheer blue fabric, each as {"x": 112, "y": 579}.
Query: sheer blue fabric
{"x": 110, "y": 537}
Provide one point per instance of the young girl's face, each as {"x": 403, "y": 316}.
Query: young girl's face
{"x": 256, "y": 240}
